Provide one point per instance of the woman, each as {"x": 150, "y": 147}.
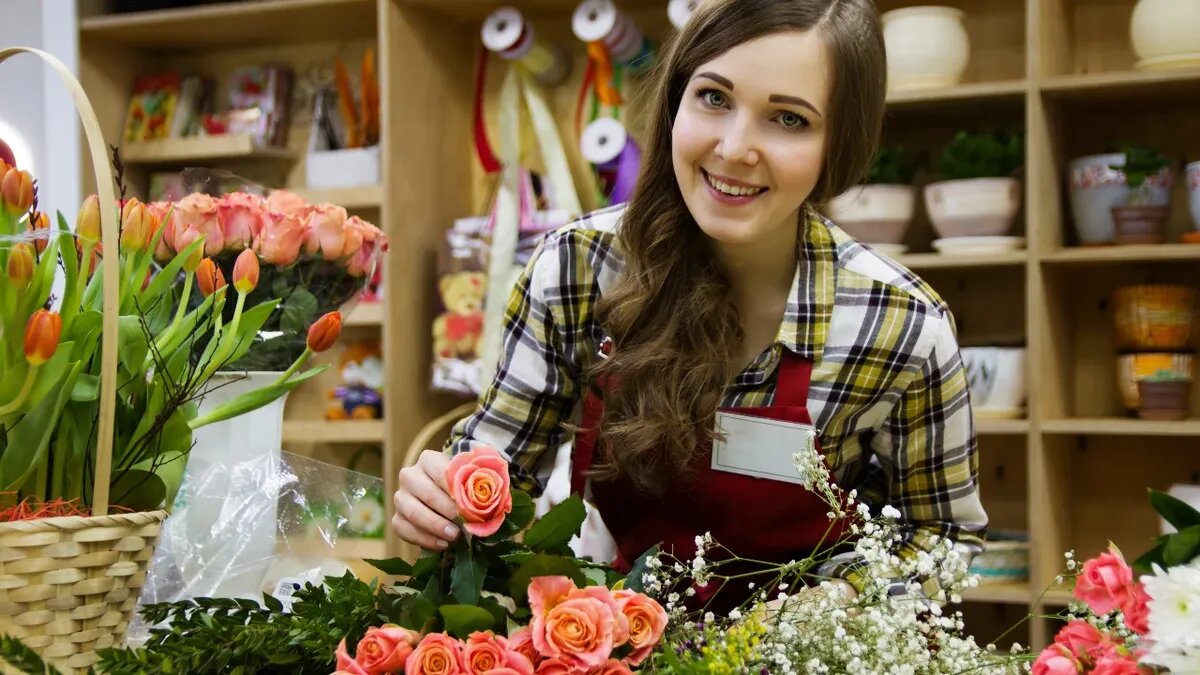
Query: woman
{"x": 720, "y": 297}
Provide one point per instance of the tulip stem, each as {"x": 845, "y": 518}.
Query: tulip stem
{"x": 27, "y": 387}
{"x": 295, "y": 366}
{"x": 169, "y": 333}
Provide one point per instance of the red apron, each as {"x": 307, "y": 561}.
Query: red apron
{"x": 753, "y": 517}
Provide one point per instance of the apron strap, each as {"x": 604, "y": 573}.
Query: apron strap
{"x": 795, "y": 375}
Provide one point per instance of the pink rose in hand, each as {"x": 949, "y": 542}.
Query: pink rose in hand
{"x": 1056, "y": 660}
{"x": 479, "y": 483}
{"x": 437, "y": 654}
{"x": 385, "y": 649}
{"x": 1104, "y": 582}
{"x": 281, "y": 238}
{"x": 242, "y": 216}
{"x": 326, "y": 231}
{"x": 647, "y": 621}
{"x": 1136, "y": 608}
{"x": 199, "y": 211}
{"x": 285, "y": 201}
{"x": 346, "y": 664}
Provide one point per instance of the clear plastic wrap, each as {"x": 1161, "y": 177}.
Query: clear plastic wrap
{"x": 262, "y": 525}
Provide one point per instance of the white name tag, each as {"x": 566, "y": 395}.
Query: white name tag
{"x": 760, "y": 447}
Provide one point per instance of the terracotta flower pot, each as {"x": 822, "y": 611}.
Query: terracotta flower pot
{"x": 1154, "y": 317}
{"x": 1164, "y": 400}
{"x": 1140, "y": 224}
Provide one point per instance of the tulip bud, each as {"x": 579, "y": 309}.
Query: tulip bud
{"x": 40, "y": 226}
{"x": 41, "y": 336}
{"x": 323, "y": 333}
{"x": 88, "y": 225}
{"x": 245, "y": 271}
{"x": 20, "y": 264}
{"x": 16, "y": 191}
{"x": 209, "y": 277}
{"x": 137, "y": 225}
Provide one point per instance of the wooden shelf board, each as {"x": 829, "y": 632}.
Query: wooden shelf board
{"x": 235, "y": 24}
{"x": 1096, "y": 255}
{"x": 974, "y": 91}
{"x": 366, "y": 314}
{"x": 199, "y": 149}
{"x": 1058, "y": 597}
{"x": 342, "y": 431}
{"x": 365, "y": 197}
{"x": 1003, "y": 592}
{"x": 999, "y": 427}
{"x": 1163, "y": 84}
{"x": 927, "y": 261}
{"x": 1117, "y": 426}
{"x": 477, "y": 10}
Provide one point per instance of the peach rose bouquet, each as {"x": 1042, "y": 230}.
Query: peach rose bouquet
{"x": 315, "y": 258}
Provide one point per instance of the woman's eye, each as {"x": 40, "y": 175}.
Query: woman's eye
{"x": 792, "y": 120}
{"x": 713, "y": 98}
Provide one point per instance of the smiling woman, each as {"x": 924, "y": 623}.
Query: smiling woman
{"x": 699, "y": 338}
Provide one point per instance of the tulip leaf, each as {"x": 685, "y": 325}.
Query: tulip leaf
{"x": 12, "y": 379}
{"x": 87, "y": 388}
{"x": 37, "y": 292}
{"x": 29, "y": 438}
{"x": 133, "y": 344}
{"x": 137, "y": 489}
{"x": 253, "y": 400}
{"x": 169, "y": 467}
{"x": 86, "y": 328}
{"x": 167, "y": 277}
{"x": 1175, "y": 511}
{"x": 555, "y": 529}
{"x": 299, "y": 311}
{"x": 462, "y": 620}
{"x": 51, "y": 372}
{"x": 249, "y": 325}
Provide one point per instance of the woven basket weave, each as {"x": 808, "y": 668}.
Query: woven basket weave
{"x": 68, "y": 586}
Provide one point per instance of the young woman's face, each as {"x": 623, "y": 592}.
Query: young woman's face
{"x": 749, "y": 139}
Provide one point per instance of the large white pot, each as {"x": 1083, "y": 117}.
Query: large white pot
{"x": 927, "y": 47}
{"x": 996, "y": 377}
{"x": 973, "y": 207}
{"x": 1095, "y": 187}
{"x": 874, "y": 214}
{"x": 1166, "y": 33}
{"x": 1193, "y": 182}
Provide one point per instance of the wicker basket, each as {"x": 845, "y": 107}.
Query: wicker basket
{"x": 68, "y": 586}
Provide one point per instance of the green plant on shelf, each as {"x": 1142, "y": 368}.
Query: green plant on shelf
{"x": 1140, "y": 164}
{"x": 993, "y": 154}
{"x": 1165, "y": 375}
{"x": 892, "y": 166}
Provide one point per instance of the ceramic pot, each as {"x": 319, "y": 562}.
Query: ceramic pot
{"x": 996, "y": 377}
{"x": 1193, "y": 183}
{"x": 974, "y": 207}
{"x": 1164, "y": 400}
{"x": 1095, "y": 189}
{"x": 1132, "y": 368}
{"x": 1139, "y": 224}
{"x": 874, "y": 214}
{"x": 1164, "y": 33}
{"x": 1154, "y": 317}
{"x": 927, "y": 47}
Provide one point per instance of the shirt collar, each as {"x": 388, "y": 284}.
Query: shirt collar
{"x": 805, "y": 323}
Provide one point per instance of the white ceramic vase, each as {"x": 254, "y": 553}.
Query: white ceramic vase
{"x": 231, "y": 507}
{"x": 973, "y": 207}
{"x": 1166, "y": 33}
{"x": 874, "y": 214}
{"x": 1095, "y": 187}
{"x": 927, "y": 47}
{"x": 996, "y": 377}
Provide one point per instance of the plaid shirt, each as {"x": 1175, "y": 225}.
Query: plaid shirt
{"x": 888, "y": 395}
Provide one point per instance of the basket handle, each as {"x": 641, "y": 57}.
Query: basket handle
{"x": 110, "y": 270}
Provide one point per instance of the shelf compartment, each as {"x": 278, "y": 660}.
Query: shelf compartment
{"x": 1010, "y": 90}
{"x": 1100, "y": 255}
{"x": 1001, "y": 427}
{"x": 928, "y": 261}
{"x": 235, "y": 24}
{"x": 1164, "y": 85}
{"x": 341, "y": 431}
{"x": 366, "y": 314}
{"x": 1001, "y": 592}
{"x": 351, "y": 198}
{"x": 201, "y": 149}
{"x": 1116, "y": 426}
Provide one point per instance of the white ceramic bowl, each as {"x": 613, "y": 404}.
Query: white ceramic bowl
{"x": 996, "y": 377}
{"x": 874, "y": 214}
{"x": 975, "y": 207}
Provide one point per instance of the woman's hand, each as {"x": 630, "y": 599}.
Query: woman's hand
{"x": 425, "y": 511}
{"x": 842, "y": 593}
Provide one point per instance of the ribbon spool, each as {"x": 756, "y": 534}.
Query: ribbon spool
{"x": 679, "y": 11}
{"x": 607, "y": 145}
{"x": 505, "y": 32}
{"x": 601, "y": 21}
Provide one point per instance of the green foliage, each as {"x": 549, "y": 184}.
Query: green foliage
{"x": 16, "y": 654}
{"x": 1178, "y": 548}
{"x": 1165, "y": 375}
{"x": 995, "y": 154}
{"x": 892, "y": 165}
{"x": 1140, "y": 164}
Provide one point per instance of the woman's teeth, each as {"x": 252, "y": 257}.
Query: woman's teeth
{"x": 731, "y": 190}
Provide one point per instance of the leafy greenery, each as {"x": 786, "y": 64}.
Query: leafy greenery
{"x": 19, "y": 656}
{"x": 1140, "y": 164}
{"x": 892, "y": 165}
{"x": 1165, "y": 375}
{"x": 1178, "y": 548}
{"x": 994, "y": 154}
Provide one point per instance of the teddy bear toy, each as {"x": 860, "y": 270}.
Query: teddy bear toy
{"x": 456, "y": 333}
{"x": 361, "y": 395}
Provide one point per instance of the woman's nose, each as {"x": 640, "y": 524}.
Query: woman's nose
{"x": 737, "y": 143}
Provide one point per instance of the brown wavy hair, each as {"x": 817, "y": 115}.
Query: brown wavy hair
{"x": 674, "y": 328}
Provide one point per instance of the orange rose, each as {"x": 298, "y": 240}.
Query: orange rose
{"x": 385, "y": 650}
{"x": 438, "y": 654}
{"x": 285, "y": 202}
{"x": 345, "y": 664}
{"x": 326, "y": 231}
{"x": 556, "y": 666}
{"x": 280, "y": 240}
{"x": 198, "y": 211}
{"x": 521, "y": 642}
{"x": 601, "y": 593}
{"x": 242, "y": 216}
{"x": 647, "y": 621}
{"x": 479, "y": 483}
{"x": 364, "y": 243}
{"x": 486, "y": 652}
{"x": 611, "y": 667}
{"x": 580, "y": 629}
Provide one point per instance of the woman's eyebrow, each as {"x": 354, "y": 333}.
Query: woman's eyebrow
{"x": 723, "y": 81}
{"x": 794, "y": 100}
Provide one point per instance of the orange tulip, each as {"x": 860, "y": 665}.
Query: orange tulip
{"x": 245, "y": 271}
{"x": 16, "y": 191}
{"x": 40, "y": 225}
{"x": 209, "y": 277}
{"x": 137, "y": 226}
{"x": 88, "y": 225}
{"x": 41, "y": 336}
{"x": 20, "y": 264}
{"x": 323, "y": 333}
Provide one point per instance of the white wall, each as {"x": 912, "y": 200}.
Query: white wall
{"x": 37, "y": 116}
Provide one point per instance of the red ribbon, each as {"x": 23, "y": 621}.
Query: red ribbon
{"x": 483, "y": 149}
{"x": 588, "y": 74}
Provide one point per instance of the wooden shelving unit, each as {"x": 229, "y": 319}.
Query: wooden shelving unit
{"x": 352, "y": 198}
{"x": 335, "y": 432}
{"x": 1073, "y": 474}
{"x": 205, "y": 149}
